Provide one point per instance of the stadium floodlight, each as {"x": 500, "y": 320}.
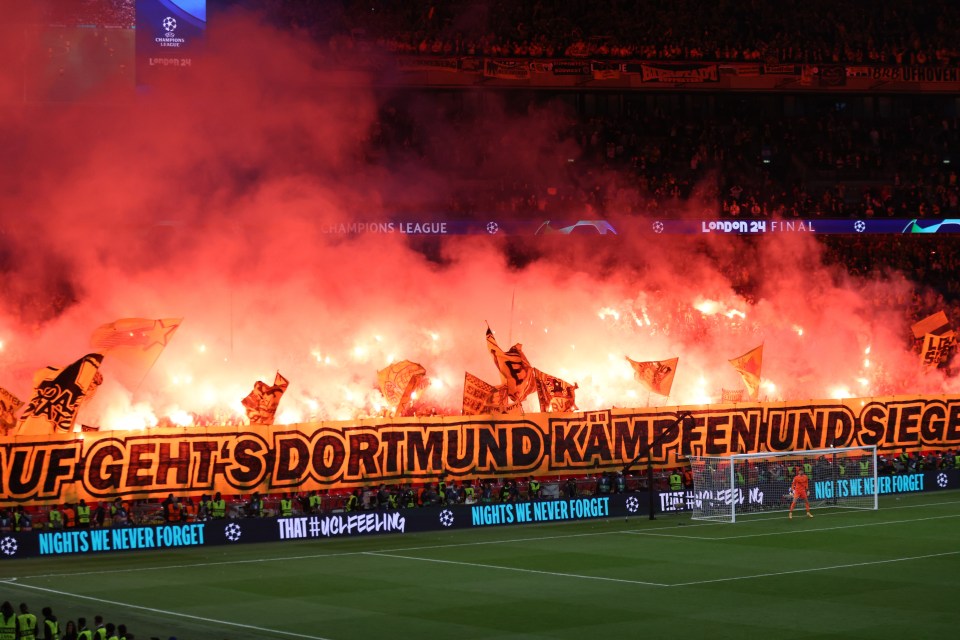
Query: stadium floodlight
{"x": 728, "y": 487}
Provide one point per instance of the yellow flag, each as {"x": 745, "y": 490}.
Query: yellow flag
{"x": 655, "y": 375}
{"x": 748, "y": 365}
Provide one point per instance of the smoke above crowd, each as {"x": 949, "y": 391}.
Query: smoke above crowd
{"x": 219, "y": 196}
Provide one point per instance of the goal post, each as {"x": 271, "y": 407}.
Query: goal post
{"x": 728, "y": 487}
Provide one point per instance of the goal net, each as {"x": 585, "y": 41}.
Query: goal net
{"x": 728, "y": 487}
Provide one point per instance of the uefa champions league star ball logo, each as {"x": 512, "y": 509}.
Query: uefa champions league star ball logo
{"x": 942, "y": 480}
{"x": 492, "y": 227}
{"x": 657, "y": 226}
{"x": 9, "y": 546}
{"x": 169, "y": 25}
{"x": 632, "y": 504}
{"x": 232, "y": 532}
{"x": 446, "y": 518}
{"x": 860, "y": 226}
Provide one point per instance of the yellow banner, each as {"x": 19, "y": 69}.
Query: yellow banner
{"x": 141, "y": 464}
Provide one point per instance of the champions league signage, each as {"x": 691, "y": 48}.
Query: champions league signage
{"x": 170, "y": 33}
{"x": 315, "y": 526}
{"x": 328, "y": 526}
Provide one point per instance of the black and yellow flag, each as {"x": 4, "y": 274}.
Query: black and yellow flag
{"x": 58, "y": 394}
{"x": 261, "y": 403}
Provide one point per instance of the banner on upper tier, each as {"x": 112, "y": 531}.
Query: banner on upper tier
{"x": 137, "y": 464}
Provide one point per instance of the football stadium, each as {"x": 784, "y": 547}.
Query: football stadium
{"x": 330, "y": 319}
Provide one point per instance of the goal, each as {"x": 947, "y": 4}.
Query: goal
{"x": 728, "y": 487}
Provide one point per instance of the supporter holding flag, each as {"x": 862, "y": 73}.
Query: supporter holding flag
{"x": 399, "y": 381}
{"x": 555, "y": 395}
{"x": 515, "y": 370}
{"x": 58, "y": 394}
{"x": 9, "y": 405}
{"x": 748, "y": 366}
{"x": 261, "y": 403}
{"x": 656, "y": 376}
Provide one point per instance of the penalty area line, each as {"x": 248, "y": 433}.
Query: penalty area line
{"x": 502, "y": 568}
{"x": 814, "y": 569}
{"x": 239, "y": 625}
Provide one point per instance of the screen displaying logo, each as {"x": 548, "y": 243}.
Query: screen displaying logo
{"x": 589, "y": 227}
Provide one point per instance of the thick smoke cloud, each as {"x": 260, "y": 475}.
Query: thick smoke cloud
{"x": 212, "y": 197}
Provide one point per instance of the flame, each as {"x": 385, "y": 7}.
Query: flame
{"x": 839, "y": 393}
{"x": 707, "y": 307}
{"x": 608, "y": 312}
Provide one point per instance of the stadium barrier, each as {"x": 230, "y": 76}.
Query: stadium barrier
{"x": 28, "y": 544}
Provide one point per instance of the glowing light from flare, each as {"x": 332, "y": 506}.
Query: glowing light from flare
{"x": 130, "y": 421}
{"x": 289, "y": 416}
{"x": 863, "y": 382}
{"x": 608, "y": 312}
{"x": 769, "y": 387}
{"x": 707, "y": 307}
{"x": 180, "y": 418}
{"x": 798, "y": 329}
{"x": 182, "y": 380}
{"x": 735, "y": 313}
{"x": 840, "y": 393}
{"x": 434, "y": 335}
{"x": 202, "y": 348}
{"x": 436, "y": 383}
{"x": 700, "y": 394}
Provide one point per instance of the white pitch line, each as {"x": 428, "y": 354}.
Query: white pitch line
{"x": 239, "y": 625}
{"x": 502, "y": 568}
{"x": 315, "y": 556}
{"x": 338, "y": 554}
{"x": 811, "y": 570}
{"x": 796, "y": 531}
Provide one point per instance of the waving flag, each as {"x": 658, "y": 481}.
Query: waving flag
{"x": 58, "y": 394}
{"x": 482, "y": 398}
{"x": 748, "y": 366}
{"x": 936, "y": 324}
{"x": 398, "y": 382}
{"x": 142, "y": 334}
{"x": 936, "y": 349}
{"x": 655, "y": 375}
{"x": 476, "y": 395}
{"x": 133, "y": 344}
{"x": 515, "y": 370}
{"x": 261, "y": 403}
{"x": 939, "y": 339}
{"x": 9, "y": 405}
{"x": 555, "y": 395}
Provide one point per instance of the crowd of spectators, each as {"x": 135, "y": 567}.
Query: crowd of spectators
{"x": 792, "y": 31}
{"x": 104, "y": 13}
{"x": 22, "y": 623}
{"x": 809, "y": 31}
{"x": 743, "y": 158}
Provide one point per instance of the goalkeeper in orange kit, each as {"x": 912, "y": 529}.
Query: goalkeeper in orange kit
{"x": 799, "y": 488}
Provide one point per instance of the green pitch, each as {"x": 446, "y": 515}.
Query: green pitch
{"x": 843, "y": 574}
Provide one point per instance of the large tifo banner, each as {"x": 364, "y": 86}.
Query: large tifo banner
{"x": 141, "y": 464}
